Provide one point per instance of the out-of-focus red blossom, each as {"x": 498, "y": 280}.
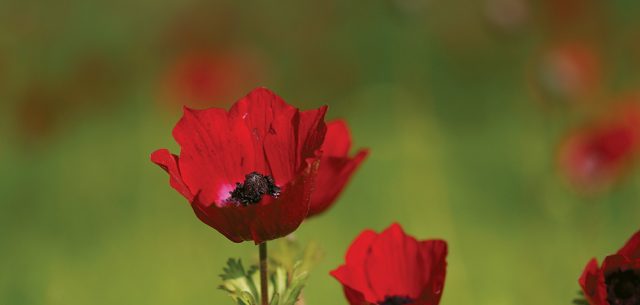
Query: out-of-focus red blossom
{"x": 393, "y": 268}
{"x": 336, "y": 166}
{"x": 37, "y": 112}
{"x": 203, "y": 79}
{"x": 595, "y": 156}
{"x": 571, "y": 71}
{"x": 617, "y": 281}
{"x": 248, "y": 172}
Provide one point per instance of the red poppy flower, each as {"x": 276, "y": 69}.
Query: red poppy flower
{"x": 617, "y": 281}
{"x": 393, "y": 268}
{"x": 595, "y": 156}
{"x": 336, "y": 166}
{"x": 249, "y": 172}
{"x": 205, "y": 78}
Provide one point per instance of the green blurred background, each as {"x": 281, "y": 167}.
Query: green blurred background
{"x": 458, "y": 100}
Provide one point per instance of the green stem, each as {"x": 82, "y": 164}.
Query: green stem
{"x": 264, "y": 285}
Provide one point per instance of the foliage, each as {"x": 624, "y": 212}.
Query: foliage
{"x": 289, "y": 267}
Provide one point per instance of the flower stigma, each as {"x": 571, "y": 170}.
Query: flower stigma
{"x": 255, "y": 186}
{"x": 396, "y": 300}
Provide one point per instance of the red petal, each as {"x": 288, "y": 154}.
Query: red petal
{"x": 393, "y": 265}
{"x": 592, "y": 283}
{"x": 333, "y": 176}
{"x": 354, "y": 297}
{"x": 311, "y": 132}
{"x": 280, "y": 146}
{"x": 631, "y": 249}
{"x": 353, "y": 274}
{"x": 270, "y": 219}
{"x": 215, "y": 154}
{"x": 615, "y": 262}
{"x": 169, "y": 163}
{"x": 258, "y": 111}
{"x": 288, "y": 136}
{"x": 259, "y": 101}
{"x": 337, "y": 142}
{"x": 434, "y": 268}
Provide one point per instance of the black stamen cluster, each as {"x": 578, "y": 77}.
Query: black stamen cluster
{"x": 396, "y": 300}
{"x": 254, "y": 187}
{"x": 623, "y": 288}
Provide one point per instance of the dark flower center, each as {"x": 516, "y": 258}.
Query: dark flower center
{"x": 396, "y": 300}
{"x": 254, "y": 187}
{"x": 623, "y": 288}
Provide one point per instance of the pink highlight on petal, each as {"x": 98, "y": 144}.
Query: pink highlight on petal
{"x": 223, "y": 194}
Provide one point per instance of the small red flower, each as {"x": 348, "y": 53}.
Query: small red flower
{"x": 248, "y": 172}
{"x": 336, "y": 166}
{"x": 571, "y": 70}
{"x": 393, "y": 268}
{"x": 617, "y": 281}
{"x": 595, "y": 156}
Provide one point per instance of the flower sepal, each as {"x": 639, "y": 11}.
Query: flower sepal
{"x": 580, "y": 299}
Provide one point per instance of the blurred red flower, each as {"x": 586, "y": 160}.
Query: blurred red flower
{"x": 571, "y": 71}
{"x": 587, "y": 19}
{"x": 617, "y": 281}
{"x": 248, "y": 172}
{"x": 336, "y": 166}
{"x": 393, "y": 268}
{"x": 594, "y": 156}
{"x": 206, "y": 78}
{"x": 38, "y": 113}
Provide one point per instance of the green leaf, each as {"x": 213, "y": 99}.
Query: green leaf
{"x": 275, "y": 300}
{"x": 234, "y": 269}
{"x": 239, "y": 283}
{"x": 292, "y": 294}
